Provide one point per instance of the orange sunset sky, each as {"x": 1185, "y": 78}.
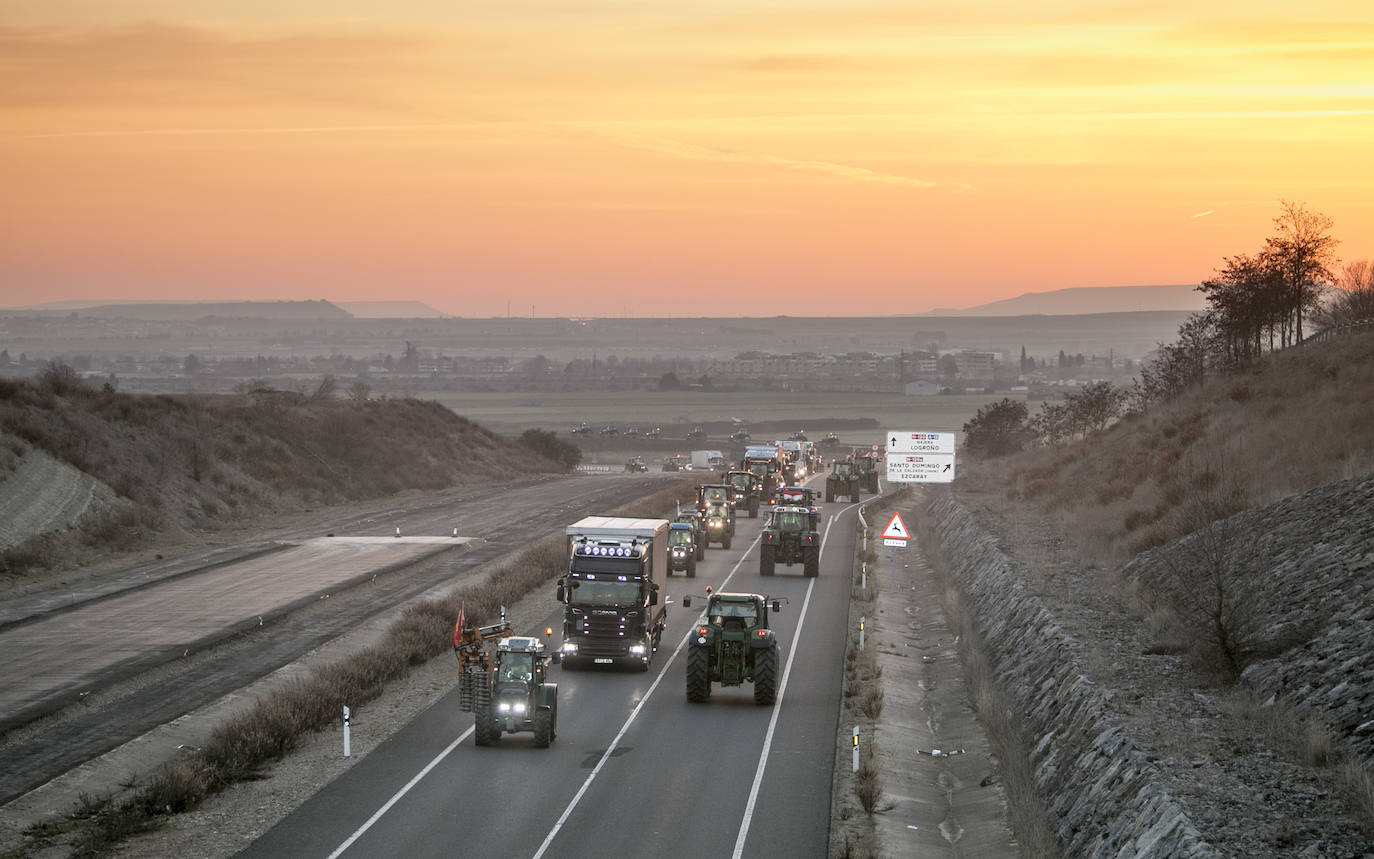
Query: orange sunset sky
{"x": 664, "y": 157}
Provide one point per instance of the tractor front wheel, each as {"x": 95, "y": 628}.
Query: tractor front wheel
{"x": 543, "y": 728}
{"x": 691, "y": 567}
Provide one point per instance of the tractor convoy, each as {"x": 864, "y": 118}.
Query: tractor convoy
{"x": 615, "y": 609}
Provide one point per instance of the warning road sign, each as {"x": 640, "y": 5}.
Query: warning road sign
{"x": 895, "y": 534}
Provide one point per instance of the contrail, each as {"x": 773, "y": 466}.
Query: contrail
{"x": 1201, "y": 214}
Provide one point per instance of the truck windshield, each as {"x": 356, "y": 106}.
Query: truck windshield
{"x": 594, "y": 593}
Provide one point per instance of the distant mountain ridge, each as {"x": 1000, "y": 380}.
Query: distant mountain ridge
{"x": 1081, "y": 300}
{"x": 390, "y": 309}
{"x": 164, "y": 311}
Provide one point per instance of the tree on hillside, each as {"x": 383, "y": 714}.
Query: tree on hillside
{"x": 1053, "y": 424}
{"x": 1353, "y": 298}
{"x": 998, "y": 429}
{"x": 1247, "y": 299}
{"x": 1175, "y": 367}
{"x": 1093, "y": 406}
{"x": 1304, "y": 253}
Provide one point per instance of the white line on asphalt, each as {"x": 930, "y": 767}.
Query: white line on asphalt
{"x": 777, "y": 708}
{"x": 396, "y": 797}
{"x": 567, "y": 812}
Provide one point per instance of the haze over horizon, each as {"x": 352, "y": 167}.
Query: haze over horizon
{"x": 632, "y": 159}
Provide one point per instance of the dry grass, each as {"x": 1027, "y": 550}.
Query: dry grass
{"x": 1295, "y": 421}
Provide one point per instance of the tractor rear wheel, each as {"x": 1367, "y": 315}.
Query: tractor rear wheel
{"x": 766, "y": 675}
{"x": 698, "y": 674}
{"x": 766, "y": 560}
{"x": 753, "y": 508}
{"x": 811, "y": 562}
{"x": 829, "y": 495}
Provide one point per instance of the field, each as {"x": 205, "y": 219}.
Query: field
{"x": 677, "y": 412}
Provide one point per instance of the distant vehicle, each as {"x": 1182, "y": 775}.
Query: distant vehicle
{"x": 581, "y": 429}
{"x": 799, "y": 435}
{"x": 636, "y": 463}
{"x": 632, "y": 432}
{"x": 610, "y": 430}
{"x": 831, "y": 440}
{"x": 740, "y": 435}
{"x": 677, "y": 462}
{"x": 654, "y": 433}
{"x": 696, "y": 433}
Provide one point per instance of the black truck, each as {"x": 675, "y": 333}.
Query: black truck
{"x": 612, "y": 612}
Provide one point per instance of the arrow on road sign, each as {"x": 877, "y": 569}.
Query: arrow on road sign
{"x": 896, "y": 529}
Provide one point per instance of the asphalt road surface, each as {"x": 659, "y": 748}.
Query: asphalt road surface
{"x": 635, "y": 769}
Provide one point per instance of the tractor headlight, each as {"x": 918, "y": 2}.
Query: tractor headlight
{"x": 520, "y": 708}
{"x": 503, "y": 707}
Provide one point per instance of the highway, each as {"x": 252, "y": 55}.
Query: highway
{"x": 635, "y": 770}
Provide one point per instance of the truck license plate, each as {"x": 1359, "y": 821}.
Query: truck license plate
{"x": 601, "y": 660}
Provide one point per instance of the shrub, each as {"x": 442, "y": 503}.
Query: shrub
{"x": 998, "y": 429}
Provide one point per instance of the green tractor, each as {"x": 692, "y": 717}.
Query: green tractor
{"x": 842, "y": 481}
{"x": 506, "y": 688}
{"x": 748, "y": 490}
{"x": 720, "y": 524}
{"x": 732, "y": 646}
{"x": 866, "y": 466}
{"x": 789, "y": 536}
{"x": 698, "y": 523}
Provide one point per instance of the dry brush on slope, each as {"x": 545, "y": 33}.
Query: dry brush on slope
{"x": 179, "y": 463}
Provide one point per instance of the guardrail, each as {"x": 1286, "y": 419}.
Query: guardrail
{"x": 593, "y": 468}
{"x": 1337, "y": 330}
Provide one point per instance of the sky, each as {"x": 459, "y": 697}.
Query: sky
{"x": 668, "y": 157}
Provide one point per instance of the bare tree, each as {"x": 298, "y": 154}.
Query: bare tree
{"x": 359, "y": 391}
{"x": 1304, "y": 253}
{"x": 1353, "y": 298}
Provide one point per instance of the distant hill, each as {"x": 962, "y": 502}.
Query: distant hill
{"x": 188, "y": 311}
{"x": 390, "y": 309}
{"x": 1087, "y": 299}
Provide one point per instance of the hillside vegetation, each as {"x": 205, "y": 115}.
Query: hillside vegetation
{"x": 179, "y": 463}
{"x": 1295, "y": 420}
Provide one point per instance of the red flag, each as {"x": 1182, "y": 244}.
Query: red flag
{"x": 458, "y": 627}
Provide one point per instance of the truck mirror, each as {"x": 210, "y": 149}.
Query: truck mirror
{"x": 686, "y": 602}
{"x": 777, "y": 606}
{"x": 558, "y": 594}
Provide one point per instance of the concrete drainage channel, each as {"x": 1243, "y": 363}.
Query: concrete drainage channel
{"x": 918, "y": 778}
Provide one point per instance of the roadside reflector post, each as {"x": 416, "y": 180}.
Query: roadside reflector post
{"x": 861, "y": 633}
{"x": 348, "y": 751}
{"x": 455, "y": 532}
{"x": 863, "y": 580}
{"x": 398, "y": 530}
{"x": 856, "y": 748}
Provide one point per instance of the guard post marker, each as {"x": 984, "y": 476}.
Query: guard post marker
{"x": 861, "y": 633}
{"x": 856, "y": 748}
{"x": 348, "y": 751}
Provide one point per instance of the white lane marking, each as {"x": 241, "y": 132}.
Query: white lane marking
{"x": 567, "y": 812}
{"x": 777, "y": 709}
{"x": 396, "y": 797}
